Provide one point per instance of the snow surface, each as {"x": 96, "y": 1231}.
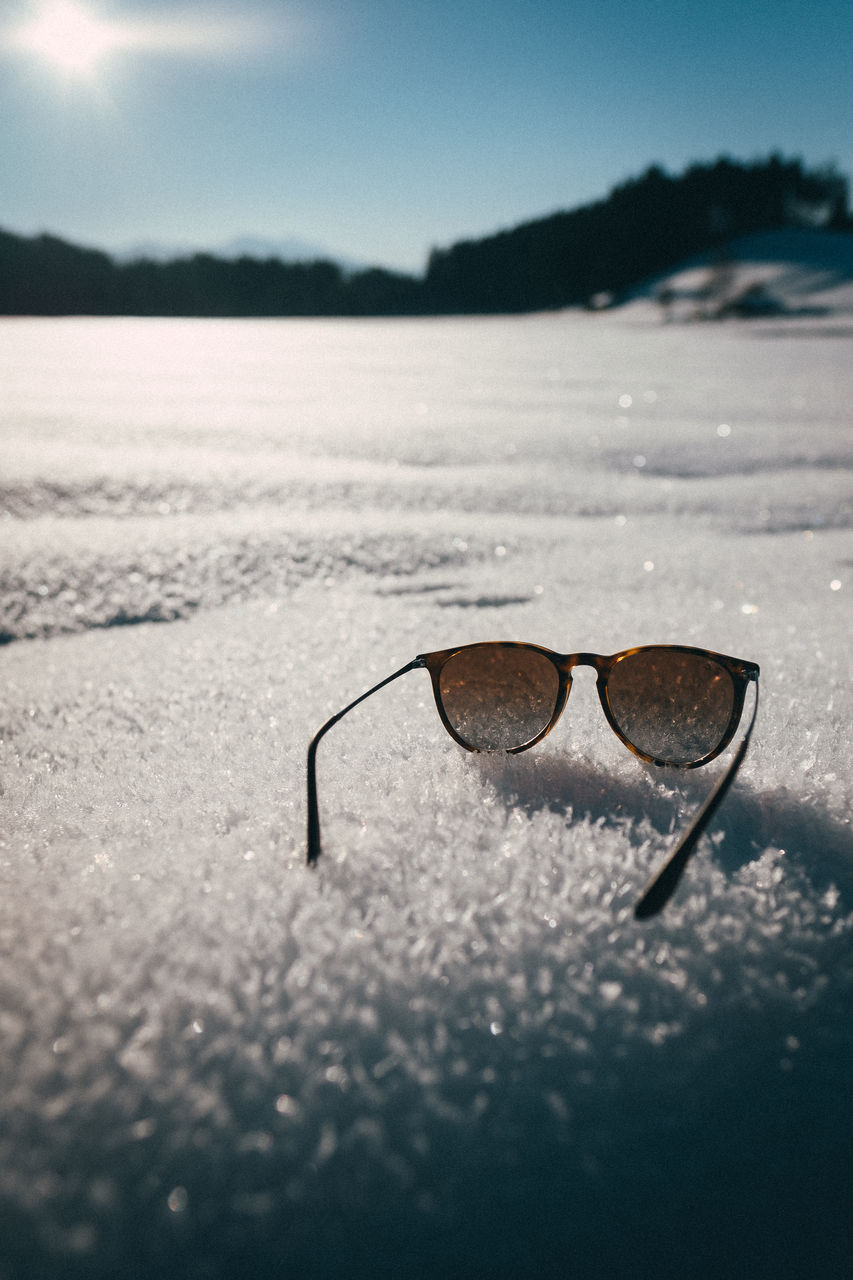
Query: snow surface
{"x": 451, "y": 1051}
{"x": 807, "y": 273}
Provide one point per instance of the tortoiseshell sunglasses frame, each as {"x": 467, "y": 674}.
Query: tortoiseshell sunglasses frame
{"x": 662, "y": 885}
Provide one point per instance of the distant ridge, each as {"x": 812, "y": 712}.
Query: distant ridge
{"x": 247, "y": 246}
{"x": 642, "y": 229}
{"x": 597, "y": 253}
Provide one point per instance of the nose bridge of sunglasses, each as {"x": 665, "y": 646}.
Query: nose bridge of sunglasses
{"x": 570, "y": 663}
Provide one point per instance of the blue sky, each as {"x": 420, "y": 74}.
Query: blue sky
{"x": 379, "y": 128}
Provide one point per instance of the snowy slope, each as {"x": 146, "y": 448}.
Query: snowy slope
{"x": 451, "y": 1051}
{"x": 804, "y": 272}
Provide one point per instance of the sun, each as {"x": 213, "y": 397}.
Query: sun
{"x": 76, "y": 37}
{"x": 71, "y": 37}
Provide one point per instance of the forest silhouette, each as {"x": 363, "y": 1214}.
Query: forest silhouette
{"x": 598, "y": 250}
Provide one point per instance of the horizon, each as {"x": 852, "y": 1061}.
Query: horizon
{"x": 293, "y": 251}
{"x": 375, "y": 133}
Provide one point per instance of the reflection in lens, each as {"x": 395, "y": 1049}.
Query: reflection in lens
{"x": 670, "y": 705}
{"x": 498, "y": 696}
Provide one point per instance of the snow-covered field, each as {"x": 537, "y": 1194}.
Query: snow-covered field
{"x": 450, "y": 1051}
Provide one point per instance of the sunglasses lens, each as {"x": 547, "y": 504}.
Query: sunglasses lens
{"x": 498, "y": 697}
{"x": 673, "y": 706}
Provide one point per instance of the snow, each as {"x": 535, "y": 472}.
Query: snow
{"x": 450, "y": 1050}
{"x": 805, "y": 273}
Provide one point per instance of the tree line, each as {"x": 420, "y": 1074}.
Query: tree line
{"x": 642, "y": 228}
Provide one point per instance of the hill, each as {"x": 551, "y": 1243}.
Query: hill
{"x": 641, "y": 230}
{"x": 787, "y": 272}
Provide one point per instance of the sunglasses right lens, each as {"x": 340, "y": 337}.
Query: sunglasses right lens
{"x": 673, "y": 706}
{"x": 498, "y": 697}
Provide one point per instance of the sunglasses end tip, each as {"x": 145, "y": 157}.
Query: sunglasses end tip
{"x": 654, "y": 898}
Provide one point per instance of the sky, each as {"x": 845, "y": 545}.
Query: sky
{"x": 378, "y": 129}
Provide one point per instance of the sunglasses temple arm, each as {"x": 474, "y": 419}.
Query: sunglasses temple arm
{"x": 313, "y": 808}
{"x": 661, "y": 887}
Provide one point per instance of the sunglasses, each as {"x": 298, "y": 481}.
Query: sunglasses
{"x": 670, "y": 704}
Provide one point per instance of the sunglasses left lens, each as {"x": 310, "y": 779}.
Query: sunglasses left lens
{"x": 498, "y": 697}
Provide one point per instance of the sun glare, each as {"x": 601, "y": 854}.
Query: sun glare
{"x": 73, "y": 37}
{"x": 70, "y": 37}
